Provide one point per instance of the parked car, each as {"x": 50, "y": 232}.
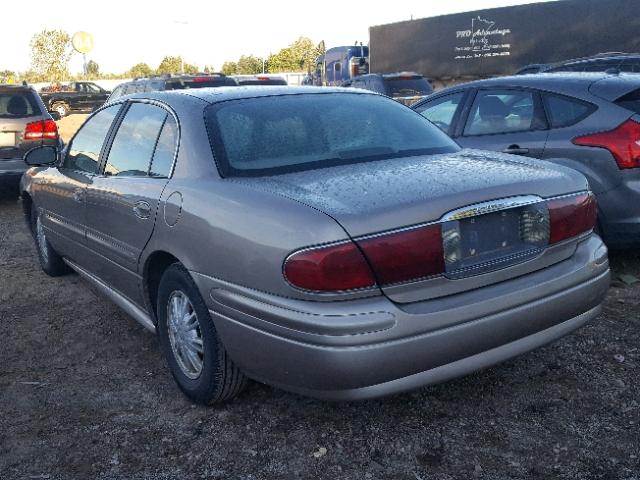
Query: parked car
{"x": 620, "y": 62}
{"x": 588, "y": 121}
{"x": 263, "y": 80}
{"x": 80, "y": 97}
{"x": 404, "y": 87}
{"x": 327, "y": 241}
{"x": 24, "y": 124}
{"x": 172, "y": 82}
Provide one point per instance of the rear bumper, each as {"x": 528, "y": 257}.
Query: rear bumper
{"x": 14, "y": 167}
{"x": 12, "y": 170}
{"x": 372, "y": 347}
{"x": 620, "y": 221}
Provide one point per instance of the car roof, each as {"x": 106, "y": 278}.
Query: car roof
{"x": 221, "y": 94}
{"x": 10, "y": 87}
{"x": 561, "y": 82}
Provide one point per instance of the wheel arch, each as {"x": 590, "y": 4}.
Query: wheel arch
{"x": 154, "y": 266}
{"x": 27, "y": 203}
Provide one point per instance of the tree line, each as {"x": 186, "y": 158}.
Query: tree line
{"x": 51, "y": 52}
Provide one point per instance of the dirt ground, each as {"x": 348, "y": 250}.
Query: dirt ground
{"x": 85, "y": 394}
{"x": 67, "y": 126}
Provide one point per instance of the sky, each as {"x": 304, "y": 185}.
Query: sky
{"x": 127, "y": 32}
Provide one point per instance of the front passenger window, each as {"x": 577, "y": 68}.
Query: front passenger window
{"x": 84, "y": 151}
{"x": 497, "y": 111}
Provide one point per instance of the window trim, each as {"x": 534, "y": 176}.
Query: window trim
{"x": 538, "y": 111}
{"x": 591, "y": 108}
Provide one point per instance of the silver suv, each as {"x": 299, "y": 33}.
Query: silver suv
{"x": 24, "y": 124}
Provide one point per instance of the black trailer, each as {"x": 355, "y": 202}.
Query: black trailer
{"x": 499, "y": 41}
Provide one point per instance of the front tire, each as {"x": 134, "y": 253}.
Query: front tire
{"x": 190, "y": 343}
{"x": 50, "y": 262}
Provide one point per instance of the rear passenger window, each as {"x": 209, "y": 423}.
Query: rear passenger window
{"x": 165, "y": 150}
{"x": 496, "y": 111}
{"x": 630, "y": 101}
{"x": 565, "y": 111}
{"x": 134, "y": 143}
{"x": 17, "y": 105}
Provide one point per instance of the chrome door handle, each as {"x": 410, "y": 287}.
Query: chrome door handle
{"x": 142, "y": 209}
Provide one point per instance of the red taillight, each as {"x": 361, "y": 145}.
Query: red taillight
{"x": 260, "y": 77}
{"x": 571, "y": 216}
{"x": 41, "y": 130}
{"x": 406, "y": 255}
{"x": 202, "y": 79}
{"x": 332, "y": 268}
{"x": 623, "y": 142}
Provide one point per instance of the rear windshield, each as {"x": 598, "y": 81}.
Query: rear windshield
{"x": 18, "y": 105}
{"x": 630, "y": 101}
{"x": 281, "y": 134}
{"x": 407, "y": 87}
{"x": 214, "y": 82}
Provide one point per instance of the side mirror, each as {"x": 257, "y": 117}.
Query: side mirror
{"x": 41, "y": 156}
{"x": 55, "y": 115}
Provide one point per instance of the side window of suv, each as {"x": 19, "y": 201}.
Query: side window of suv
{"x": 135, "y": 141}
{"x": 84, "y": 150}
{"x": 441, "y": 111}
{"x": 502, "y": 111}
{"x": 565, "y": 111}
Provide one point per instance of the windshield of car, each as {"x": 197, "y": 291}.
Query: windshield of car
{"x": 281, "y": 134}
{"x": 18, "y": 105}
{"x": 407, "y": 87}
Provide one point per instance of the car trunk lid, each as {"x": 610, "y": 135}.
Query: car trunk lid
{"x": 368, "y": 199}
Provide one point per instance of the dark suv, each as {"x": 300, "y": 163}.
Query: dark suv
{"x": 172, "y": 82}
{"x": 621, "y": 62}
{"x": 587, "y": 121}
{"x": 24, "y": 124}
{"x": 404, "y": 87}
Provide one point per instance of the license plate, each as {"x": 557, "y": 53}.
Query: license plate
{"x": 7, "y": 139}
{"x": 494, "y": 240}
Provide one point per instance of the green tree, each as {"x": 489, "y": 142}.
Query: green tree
{"x": 174, "y": 65}
{"x": 229, "y": 68}
{"x": 51, "y": 51}
{"x": 93, "y": 69}
{"x": 249, "y": 65}
{"x": 139, "y": 70}
{"x": 297, "y": 57}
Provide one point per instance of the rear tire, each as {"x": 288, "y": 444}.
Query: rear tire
{"x": 190, "y": 343}
{"x": 62, "y": 108}
{"x": 50, "y": 262}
